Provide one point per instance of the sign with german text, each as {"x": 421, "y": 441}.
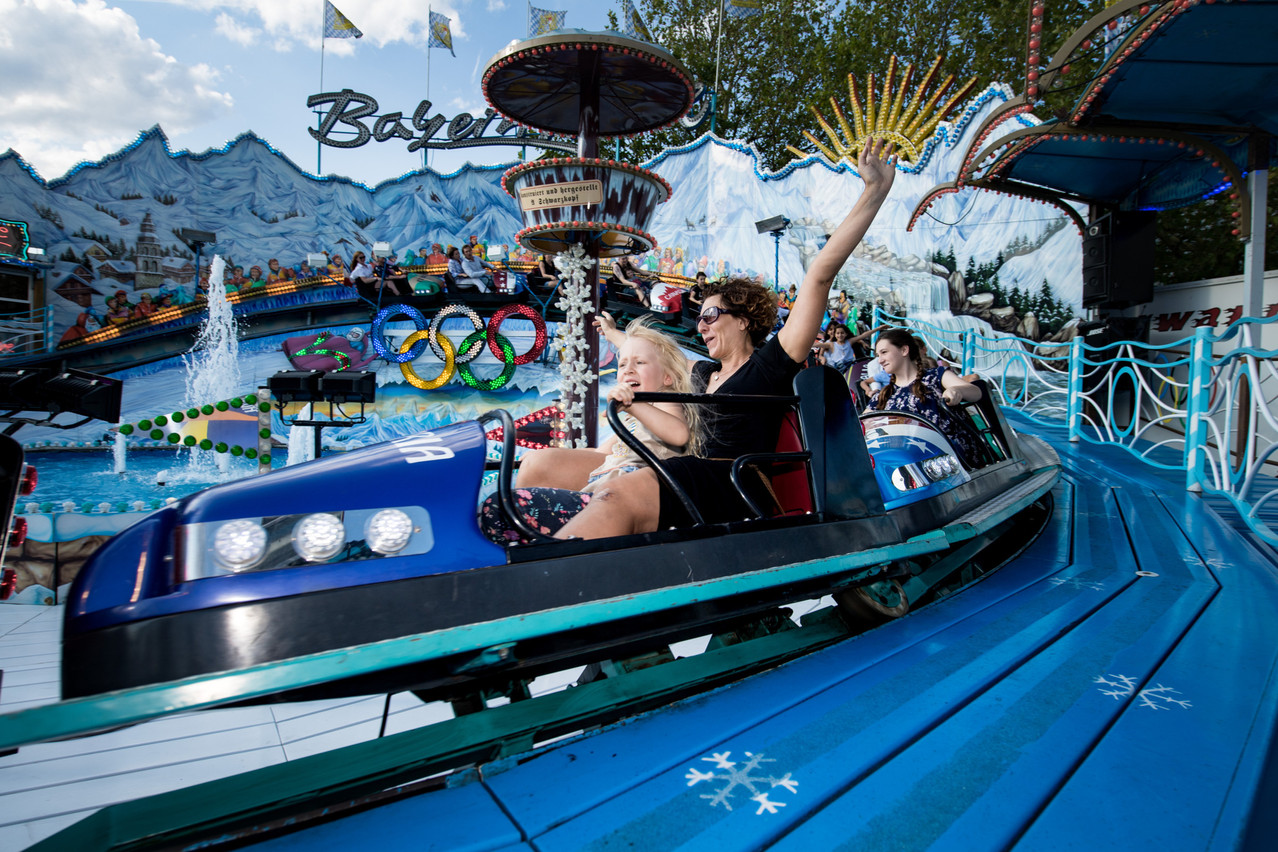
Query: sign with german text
{"x": 570, "y": 194}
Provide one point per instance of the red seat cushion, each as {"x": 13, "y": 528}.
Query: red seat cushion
{"x": 790, "y": 481}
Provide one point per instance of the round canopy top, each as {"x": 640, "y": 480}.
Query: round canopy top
{"x": 539, "y": 83}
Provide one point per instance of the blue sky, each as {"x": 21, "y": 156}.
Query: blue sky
{"x": 87, "y": 76}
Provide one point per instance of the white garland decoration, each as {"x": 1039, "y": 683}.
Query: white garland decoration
{"x": 574, "y": 367}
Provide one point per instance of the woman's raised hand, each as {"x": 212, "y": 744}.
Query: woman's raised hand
{"x": 876, "y": 162}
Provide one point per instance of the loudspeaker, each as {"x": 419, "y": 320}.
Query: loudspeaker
{"x": 1118, "y": 260}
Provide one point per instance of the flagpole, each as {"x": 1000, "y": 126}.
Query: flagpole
{"x": 718, "y": 50}
{"x": 430, "y": 34}
{"x": 319, "y": 148}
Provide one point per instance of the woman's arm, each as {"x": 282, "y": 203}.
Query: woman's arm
{"x": 956, "y": 390}
{"x": 877, "y": 166}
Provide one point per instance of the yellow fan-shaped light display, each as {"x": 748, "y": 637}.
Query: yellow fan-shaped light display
{"x": 891, "y": 113}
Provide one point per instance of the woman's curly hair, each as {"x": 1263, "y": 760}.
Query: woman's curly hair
{"x": 750, "y": 300}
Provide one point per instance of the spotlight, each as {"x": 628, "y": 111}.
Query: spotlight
{"x": 295, "y": 385}
{"x": 52, "y": 390}
{"x": 344, "y": 386}
{"x": 382, "y": 250}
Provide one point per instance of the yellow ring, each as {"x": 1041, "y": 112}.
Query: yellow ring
{"x": 450, "y": 361}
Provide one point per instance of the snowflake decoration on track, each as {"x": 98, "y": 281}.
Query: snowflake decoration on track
{"x": 576, "y": 372}
{"x": 1156, "y": 697}
{"x": 734, "y": 775}
{"x": 1078, "y": 583}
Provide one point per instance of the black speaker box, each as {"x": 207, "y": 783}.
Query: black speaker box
{"x": 1118, "y": 260}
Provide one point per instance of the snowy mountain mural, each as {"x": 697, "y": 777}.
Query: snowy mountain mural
{"x": 96, "y": 221}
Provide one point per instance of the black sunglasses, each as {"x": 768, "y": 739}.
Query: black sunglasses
{"x": 711, "y": 315}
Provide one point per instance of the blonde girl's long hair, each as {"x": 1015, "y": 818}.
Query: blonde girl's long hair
{"x": 673, "y": 362}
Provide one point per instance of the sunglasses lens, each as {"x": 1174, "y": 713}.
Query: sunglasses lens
{"x": 708, "y": 316}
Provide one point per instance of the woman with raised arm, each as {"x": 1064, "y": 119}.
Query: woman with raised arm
{"x": 734, "y": 322}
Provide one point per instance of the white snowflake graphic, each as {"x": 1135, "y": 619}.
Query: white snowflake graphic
{"x": 1157, "y": 697}
{"x": 1077, "y": 583}
{"x": 745, "y": 775}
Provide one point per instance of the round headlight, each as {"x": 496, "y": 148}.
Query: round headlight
{"x": 239, "y": 545}
{"x": 319, "y": 537}
{"x": 388, "y": 531}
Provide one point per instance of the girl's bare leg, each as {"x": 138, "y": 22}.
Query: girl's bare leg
{"x": 558, "y": 467}
{"x": 629, "y": 504}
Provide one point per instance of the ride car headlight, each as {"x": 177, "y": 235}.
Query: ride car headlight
{"x": 388, "y": 531}
{"x": 239, "y": 545}
{"x": 319, "y": 537}
{"x": 940, "y": 467}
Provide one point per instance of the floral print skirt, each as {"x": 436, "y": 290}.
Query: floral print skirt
{"x": 544, "y": 509}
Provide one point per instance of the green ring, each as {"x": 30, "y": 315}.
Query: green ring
{"x": 144, "y": 425}
{"x": 157, "y": 434}
{"x": 207, "y": 409}
{"x": 206, "y": 444}
{"x": 161, "y": 420}
{"x": 498, "y": 381}
{"x": 237, "y": 450}
{"x": 222, "y": 406}
{"x": 265, "y": 459}
{"x": 177, "y": 417}
{"x": 189, "y": 441}
{"x": 250, "y": 399}
{"x": 193, "y": 413}
{"x": 264, "y": 407}
{"x": 236, "y": 402}
{"x": 263, "y": 433}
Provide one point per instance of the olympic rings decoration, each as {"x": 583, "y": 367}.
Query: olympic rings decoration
{"x": 379, "y": 340}
{"x": 410, "y": 374}
{"x": 466, "y": 354}
{"x": 457, "y": 359}
{"x": 539, "y": 325}
{"x": 508, "y": 363}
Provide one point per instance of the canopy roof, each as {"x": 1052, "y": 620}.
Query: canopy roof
{"x": 1156, "y": 105}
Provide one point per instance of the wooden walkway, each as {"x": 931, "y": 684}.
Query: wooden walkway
{"x": 1114, "y": 688}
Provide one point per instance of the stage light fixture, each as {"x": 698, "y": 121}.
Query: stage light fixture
{"x": 346, "y": 386}
{"x": 52, "y": 390}
{"x": 295, "y": 385}
{"x": 382, "y": 250}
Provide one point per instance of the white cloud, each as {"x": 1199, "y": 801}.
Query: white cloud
{"x": 87, "y": 82}
{"x": 496, "y": 5}
{"x": 235, "y": 31}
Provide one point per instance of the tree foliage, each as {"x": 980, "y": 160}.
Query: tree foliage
{"x": 798, "y": 53}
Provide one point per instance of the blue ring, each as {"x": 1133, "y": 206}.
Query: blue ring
{"x": 379, "y": 341}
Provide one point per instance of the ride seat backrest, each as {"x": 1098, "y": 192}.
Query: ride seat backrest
{"x": 842, "y": 477}
{"x": 790, "y": 480}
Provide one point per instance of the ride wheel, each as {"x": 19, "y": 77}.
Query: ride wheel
{"x": 875, "y": 602}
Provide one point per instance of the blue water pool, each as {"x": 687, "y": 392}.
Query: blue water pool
{"x": 150, "y": 475}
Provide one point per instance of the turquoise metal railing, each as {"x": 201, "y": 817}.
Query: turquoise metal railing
{"x": 26, "y": 333}
{"x": 1176, "y": 406}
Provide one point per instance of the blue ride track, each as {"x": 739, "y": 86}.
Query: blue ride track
{"x": 1111, "y": 688}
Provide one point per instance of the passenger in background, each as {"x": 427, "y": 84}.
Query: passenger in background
{"x": 361, "y": 269}
{"x": 390, "y": 277}
{"x": 545, "y": 276}
{"x": 917, "y": 390}
{"x": 474, "y": 269}
{"x": 696, "y": 295}
{"x": 785, "y": 301}
{"x": 628, "y": 274}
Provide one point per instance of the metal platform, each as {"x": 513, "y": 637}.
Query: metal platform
{"x": 1111, "y": 688}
